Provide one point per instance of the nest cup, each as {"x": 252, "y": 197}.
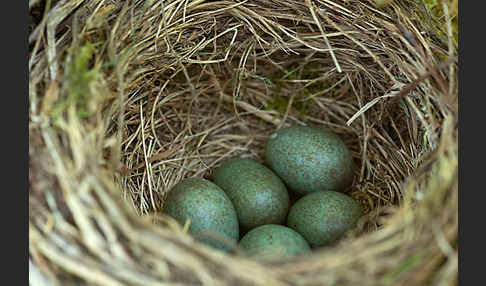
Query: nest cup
{"x": 127, "y": 98}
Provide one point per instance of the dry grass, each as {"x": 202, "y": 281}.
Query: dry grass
{"x": 129, "y": 97}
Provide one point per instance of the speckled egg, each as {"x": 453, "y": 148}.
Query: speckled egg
{"x": 258, "y": 194}
{"x": 212, "y": 216}
{"x": 273, "y": 241}
{"x": 309, "y": 159}
{"x": 323, "y": 217}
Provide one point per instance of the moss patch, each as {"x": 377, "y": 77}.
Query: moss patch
{"x": 80, "y": 75}
{"x": 306, "y": 80}
{"x": 435, "y": 11}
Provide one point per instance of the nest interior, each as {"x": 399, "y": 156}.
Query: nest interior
{"x": 129, "y": 97}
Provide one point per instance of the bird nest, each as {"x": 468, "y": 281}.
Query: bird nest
{"x": 126, "y": 98}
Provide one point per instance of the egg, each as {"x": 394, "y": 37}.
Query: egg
{"x": 213, "y": 218}
{"x": 258, "y": 194}
{"x": 309, "y": 159}
{"x": 273, "y": 241}
{"x": 323, "y": 217}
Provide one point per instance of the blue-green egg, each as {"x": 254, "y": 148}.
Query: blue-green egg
{"x": 213, "y": 218}
{"x": 273, "y": 241}
{"x": 323, "y": 217}
{"x": 310, "y": 159}
{"x": 258, "y": 194}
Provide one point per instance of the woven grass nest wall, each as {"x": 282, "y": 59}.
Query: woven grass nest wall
{"x": 129, "y": 97}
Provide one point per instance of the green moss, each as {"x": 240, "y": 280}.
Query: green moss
{"x": 278, "y": 103}
{"x": 437, "y": 19}
{"x": 281, "y": 80}
{"x": 313, "y": 72}
{"x": 400, "y": 270}
{"x": 304, "y": 107}
{"x": 79, "y": 77}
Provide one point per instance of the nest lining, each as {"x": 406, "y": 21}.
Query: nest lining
{"x": 166, "y": 96}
